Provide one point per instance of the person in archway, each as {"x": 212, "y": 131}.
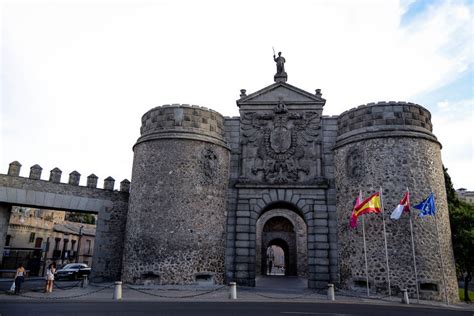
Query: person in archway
{"x": 270, "y": 267}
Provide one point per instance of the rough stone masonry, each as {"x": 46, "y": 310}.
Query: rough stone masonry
{"x": 209, "y": 195}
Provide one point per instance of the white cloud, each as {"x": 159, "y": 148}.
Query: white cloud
{"x": 78, "y": 76}
{"x": 453, "y": 127}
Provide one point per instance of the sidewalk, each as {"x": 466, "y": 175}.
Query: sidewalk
{"x": 104, "y": 292}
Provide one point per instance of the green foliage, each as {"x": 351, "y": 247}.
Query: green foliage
{"x": 461, "y": 217}
{"x": 450, "y": 192}
{"x": 80, "y": 218}
{"x": 461, "y": 295}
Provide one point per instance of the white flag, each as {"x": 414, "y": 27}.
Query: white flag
{"x": 403, "y": 206}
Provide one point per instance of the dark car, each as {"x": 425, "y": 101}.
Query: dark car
{"x": 73, "y": 271}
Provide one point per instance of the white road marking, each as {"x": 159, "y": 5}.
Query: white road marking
{"x": 310, "y": 313}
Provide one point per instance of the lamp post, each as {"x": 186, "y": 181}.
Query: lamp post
{"x": 79, "y": 243}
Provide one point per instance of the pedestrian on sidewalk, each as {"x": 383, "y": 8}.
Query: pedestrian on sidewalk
{"x": 19, "y": 278}
{"x": 50, "y": 278}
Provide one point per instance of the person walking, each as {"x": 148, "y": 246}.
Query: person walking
{"x": 19, "y": 278}
{"x": 50, "y": 278}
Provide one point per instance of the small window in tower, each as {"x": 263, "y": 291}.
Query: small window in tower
{"x": 204, "y": 278}
{"x": 32, "y": 237}
{"x": 429, "y": 287}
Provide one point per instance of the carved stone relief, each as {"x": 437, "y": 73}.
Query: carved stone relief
{"x": 354, "y": 165}
{"x": 281, "y": 145}
{"x": 210, "y": 165}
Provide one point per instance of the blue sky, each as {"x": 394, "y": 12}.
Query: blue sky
{"x": 78, "y": 76}
{"x": 452, "y": 103}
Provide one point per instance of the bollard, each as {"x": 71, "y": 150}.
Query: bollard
{"x": 118, "y": 291}
{"x": 233, "y": 291}
{"x": 405, "y": 299}
{"x": 331, "y": 292}
{"x": 85, "y": 281}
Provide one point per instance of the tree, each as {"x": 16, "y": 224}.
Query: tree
{"x": 461, "y": 217}
{"x": 80, "y": 217}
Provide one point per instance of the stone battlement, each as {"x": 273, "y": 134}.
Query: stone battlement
{"x": 182, "y": 121}
{"x": 389, "y": 118}
{"x": 74, "y": 177}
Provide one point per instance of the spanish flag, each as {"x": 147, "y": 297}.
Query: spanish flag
{"x": 371, "y": 204}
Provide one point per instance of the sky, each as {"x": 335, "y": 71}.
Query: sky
{"x": 76, "y": 76}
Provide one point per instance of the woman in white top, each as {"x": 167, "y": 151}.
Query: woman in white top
{"x": 50, "y": 278}
{"x": 19, "y": 278}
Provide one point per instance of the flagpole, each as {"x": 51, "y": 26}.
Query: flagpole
{"x": 365, "y": 256}
{"x": 414, "y": 258}
{"x": 386, "y": 249}
{"x": 442, "y": 263}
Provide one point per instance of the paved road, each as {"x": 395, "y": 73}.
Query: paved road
{"x": 216, "y": 308}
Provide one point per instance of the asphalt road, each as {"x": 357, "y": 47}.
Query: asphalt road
{"x": 216, "y": 308}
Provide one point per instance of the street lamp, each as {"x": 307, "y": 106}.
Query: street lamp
{"x": 79, "y": 243}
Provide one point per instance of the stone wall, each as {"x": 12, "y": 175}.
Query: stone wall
{"x": 5, "y": 211}
{"x": 329, "y": 135}
{"x": 111, "y": 207}
{"x": 176, "y": 220}
{"x": 308, "y": 202}
{"x": 182, "y": 121}
{"x": 390, "y": 146}
{"x": 232, "y": 136}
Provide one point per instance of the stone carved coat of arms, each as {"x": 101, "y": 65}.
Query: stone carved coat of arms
{"x": 281, "y": 141}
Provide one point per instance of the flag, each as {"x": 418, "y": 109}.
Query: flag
{"x": 403, "y": 206}
{"x": 371, "y": 204}
{"x": 427, "y": 207}
{"x": 353, "y": 222}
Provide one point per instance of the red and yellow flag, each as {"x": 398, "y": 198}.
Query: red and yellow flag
{"x": 371, "y": 204}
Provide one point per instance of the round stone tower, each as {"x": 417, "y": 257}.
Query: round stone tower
{"x": 175, "y": 231}
{"x": 391, "y": 146}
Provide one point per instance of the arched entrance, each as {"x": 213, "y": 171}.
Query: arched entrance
{"x": 281, "y": 237}
{"x": 276, "y": 259}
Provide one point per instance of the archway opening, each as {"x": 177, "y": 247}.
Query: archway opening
{"x": 281, "y": 235}
{"x": 37, "y": 237}
{"x": 276, "y": 260}
{"x": 281, "y": 232}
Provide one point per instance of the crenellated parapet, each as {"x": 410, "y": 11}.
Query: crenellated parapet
{"x": 182, "y": 121}
{"x": 390, "y": 119}
{"x": 73, "y": 180}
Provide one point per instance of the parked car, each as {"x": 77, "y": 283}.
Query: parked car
{"x": 73, "y": 271}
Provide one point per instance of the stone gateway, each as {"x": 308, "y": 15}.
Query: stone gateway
{"x": 213, "y": 198}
